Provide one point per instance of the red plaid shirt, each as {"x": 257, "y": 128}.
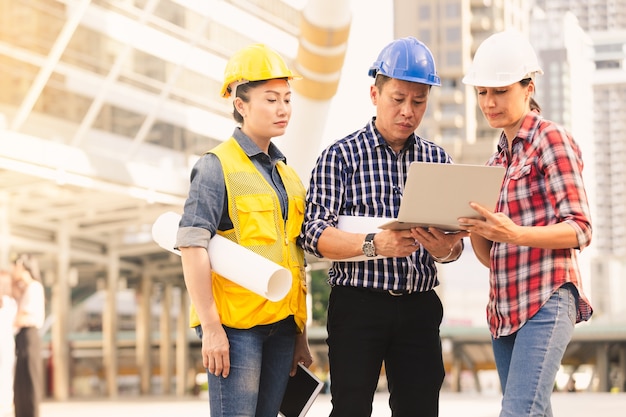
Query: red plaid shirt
{"x": 543, "y": 185}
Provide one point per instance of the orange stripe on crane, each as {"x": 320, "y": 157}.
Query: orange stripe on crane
{"x": 323, "y": 36}
{"x": 321, "y": 63}
{"x": 316, "y": 90}
{"x": 321, "y": 55}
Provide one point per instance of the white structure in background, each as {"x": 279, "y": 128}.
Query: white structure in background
{"x": 324, "y": 32}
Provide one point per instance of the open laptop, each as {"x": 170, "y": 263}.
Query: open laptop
{"x": 436, "y": 194}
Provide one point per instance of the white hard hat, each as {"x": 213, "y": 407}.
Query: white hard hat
{"x": 502, "y": 59}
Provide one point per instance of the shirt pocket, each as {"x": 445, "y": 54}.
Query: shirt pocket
{"x": 296, "y": 215}
{"x": 526, "y": 192}
{"x": 521, "y": 172}
{"x": 256, "y": 220}
{"x": 521, "y": 183}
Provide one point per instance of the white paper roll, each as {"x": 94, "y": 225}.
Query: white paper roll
{"x": 232, "y": 261}
{"x": 164, "y": 231}
{"x": 360, "y": 224}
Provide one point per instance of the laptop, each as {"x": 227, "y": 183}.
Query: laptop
{"x": 437, "y": 194}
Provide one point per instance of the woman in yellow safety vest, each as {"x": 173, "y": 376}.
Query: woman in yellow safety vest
{"x": 244, "y": 191}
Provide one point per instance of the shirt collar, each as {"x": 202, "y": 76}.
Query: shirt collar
{"x": 526, "y": 131}
{"x": 378, "y": 140}
{"x": 252, "y": 150}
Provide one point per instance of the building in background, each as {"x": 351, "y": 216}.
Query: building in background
{"x": 609, "y": 115}
{"x": 593, "y": 16}
{"x": 453, "y": 30}
{"x": 604, "y": 25}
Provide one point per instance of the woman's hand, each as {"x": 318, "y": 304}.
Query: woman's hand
{"x": 301, "y": 353}
{"x": 496, "y": 227}
{"x": 215, "y": 350}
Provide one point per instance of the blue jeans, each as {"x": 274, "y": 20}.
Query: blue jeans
{"x": 260, "y": 361}
{"x": 528, "y": 360}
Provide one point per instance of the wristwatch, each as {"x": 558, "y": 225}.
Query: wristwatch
{"x": 368, "y": 246}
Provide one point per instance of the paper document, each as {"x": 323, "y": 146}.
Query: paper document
{"x": 230, "y": 260}
{"x": 360, "y": 224}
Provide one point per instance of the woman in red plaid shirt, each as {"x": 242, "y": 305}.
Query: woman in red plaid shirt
{"x": 529, "y": 241}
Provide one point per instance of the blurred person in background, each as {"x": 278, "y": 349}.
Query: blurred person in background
{"x": 8, "y": 312}
{"x": 29, "y": 293}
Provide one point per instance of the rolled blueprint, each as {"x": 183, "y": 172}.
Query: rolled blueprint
{"x": 230, "y": 260}
{"x": 360, "y": 224}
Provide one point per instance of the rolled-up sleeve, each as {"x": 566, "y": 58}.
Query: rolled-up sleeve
{"x": 204, "y": 205}
{"x": 562, "y": 161}
{"x": 583, "y": 233}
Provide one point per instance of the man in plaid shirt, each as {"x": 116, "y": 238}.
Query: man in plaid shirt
{"x": 382, "y": 307}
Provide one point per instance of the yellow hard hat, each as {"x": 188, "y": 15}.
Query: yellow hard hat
{"x": 254, "y": 63}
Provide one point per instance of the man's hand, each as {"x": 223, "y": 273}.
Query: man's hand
{"x": 395, "y": 243}
{"x": 437, "y": 242}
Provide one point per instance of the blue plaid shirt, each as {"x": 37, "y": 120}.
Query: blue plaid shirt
{"x": 360, "y": 175}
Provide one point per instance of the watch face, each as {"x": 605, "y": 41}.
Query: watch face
{"x": 369, "y": 249}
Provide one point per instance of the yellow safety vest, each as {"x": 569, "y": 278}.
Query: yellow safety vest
{"x": 258, "y": 225}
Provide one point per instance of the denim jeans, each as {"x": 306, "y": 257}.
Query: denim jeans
{"x": 260, "y": 361}
{"x": 528, "y": 360}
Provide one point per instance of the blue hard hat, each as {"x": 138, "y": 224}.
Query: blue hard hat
{"x": 406, "y": 59}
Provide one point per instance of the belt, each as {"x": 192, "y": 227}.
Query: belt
{"x": 394, "y": 293}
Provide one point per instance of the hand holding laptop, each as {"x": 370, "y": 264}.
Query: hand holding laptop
{"x": 497, "y": 227}
{"x": 437, "y": 195}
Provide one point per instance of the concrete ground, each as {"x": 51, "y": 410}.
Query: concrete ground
{"x": 451, "y": 405}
